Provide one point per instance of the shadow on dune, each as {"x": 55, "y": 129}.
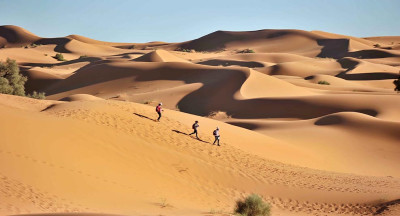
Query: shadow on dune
{"x": 59, "y": 42}
{"x": 350, "y": 64}
{"x": 382, "y": 207}
{"x": 329, "y": 120}
{"x": 216, "y": 62}
{"x": 37, "y": 83}
{"x": 246, "y": 125}
{"x": 368, "y": 76}
{"x": 87, "y": 59}
{"x": 370, "y": 54}
{"x": 180, "y": 132}
{"x": 217, "y": 93}
{"x": 143, "y": 116}
{"x": 333, "y": 48}
{"x": 48, "y": 107}
{"x": 339, "y": 48}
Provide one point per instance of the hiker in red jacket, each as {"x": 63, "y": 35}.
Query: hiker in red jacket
{"x": 195, "y": 126}
{"x": 159, "y": 110}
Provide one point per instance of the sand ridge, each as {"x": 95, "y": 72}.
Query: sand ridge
{"x": 309, "y": 120}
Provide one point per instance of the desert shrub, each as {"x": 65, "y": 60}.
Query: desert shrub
{"x": 11, "y": 81}
{"x": 59, "y": 57}
{"x": 246, "y": 51}
{"x": 37, "y": 95}
{"x": 185, "y": 50}
{"x": 83, "y": 56}
{"x": 35, "y": 45}
{"x": 323, "y": 82}
{"x": 377, "y": 45}
{"x": 253, "y": 205}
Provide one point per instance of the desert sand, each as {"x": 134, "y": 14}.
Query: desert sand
{"x": 93, "y": 147}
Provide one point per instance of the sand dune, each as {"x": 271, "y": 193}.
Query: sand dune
{"x": 159, "y": 56}
{"x": 13, "y": 36}
{"x": 111, "y": 164}
{"x": 337, "y": 136}
{"x": 308, "y": 148}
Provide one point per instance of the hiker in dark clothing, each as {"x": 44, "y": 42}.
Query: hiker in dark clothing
{"x": 195, "y": 126}
{"x": 159, "y": 110}
{"x": 216, "y": 135}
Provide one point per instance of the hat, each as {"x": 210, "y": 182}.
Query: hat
{"x": 160, "y": 103}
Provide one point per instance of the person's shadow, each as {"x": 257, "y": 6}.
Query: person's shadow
{"x": 180, "y": 132}
{"x": 142, "y": 116}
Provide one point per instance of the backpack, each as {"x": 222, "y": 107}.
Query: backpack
{"x": 158, "y": 108}
{"x": 194, "y": 126}
{"x": 215, "y": 132}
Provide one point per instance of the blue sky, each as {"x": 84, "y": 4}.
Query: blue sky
{"x": 178, "y": 20}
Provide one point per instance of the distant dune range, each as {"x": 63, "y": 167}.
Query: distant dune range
{"x": 309, "y": 120}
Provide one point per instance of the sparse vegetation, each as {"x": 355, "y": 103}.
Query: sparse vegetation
{"x": 59, "y": 57}
{"x": 179, "y": 49}
{"x": 253, "y": 205}
{"x": 163, "y": 202}
{"x": 37, "y": 95}
{"x": 215, "y": 211}
{"x": 11, "y": 81}
{"x": 377, "y": 45}
{"x": 45, "y": 54}
{"x": 246, "y": 51}
{"x": 132, "y": 47}
{"x": 34, "y": 45}
{"x": 323, "y": 82}
{"x": 217, "y": 114}
{"x": 83, "y": 56}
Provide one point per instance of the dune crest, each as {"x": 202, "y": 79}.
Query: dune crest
{"x": 308, "y": 120}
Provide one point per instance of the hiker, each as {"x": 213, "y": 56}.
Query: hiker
{"x": 194, "y": 127}
{"x": 159, "y": 110}
{"x": 216, "y": 135}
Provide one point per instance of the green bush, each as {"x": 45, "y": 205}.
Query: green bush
{"x": 59, "y": 57}
{"x": 323, "y": 82}
{"x": 246, "y": 51}
{"x": 37, "y": 95}
{"x": 11, "y": 81}
{"x": 253, "y": 205}
{"x": 377, "y": 45}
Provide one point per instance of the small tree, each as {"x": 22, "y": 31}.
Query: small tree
{"x": 397, "y": 84}
{"x": 37, "y": 95}
{"x": 59, "y": 57}
{"x": 11, "y": 81}
{"x": 253, "y": 205}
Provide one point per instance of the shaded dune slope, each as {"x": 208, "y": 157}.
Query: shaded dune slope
{"x": 220, "y": 92}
